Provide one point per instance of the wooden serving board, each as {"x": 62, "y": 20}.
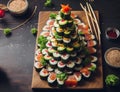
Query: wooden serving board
{"x": 96, "y": 82}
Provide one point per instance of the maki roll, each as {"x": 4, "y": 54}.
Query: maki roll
{"x": 70, "y": 65}
{"x": 69, "y": 23}
{"x": 66, "y": 40}
{"x": 69, "y": 49}
{"x": 61, "y": 48}
{"x": 91, "y": 50}
{"x": 54, "y": 44}
{"x": 37, "y": 52}
{"x": 48, "y": 44}
{"x": 74, "y": 37}
{"x": 45, "y": 51}
{"x": 63, "y": 23}
{"x": 38, "y": 57}
{"x": 52, "y": 63}
{"x": 65, "y": 15}
{"x": 93, "y": 59}
{"x": 91, "y": 43}
{"x": 77, "y": 21}
{"x": 50, "y": 22}
{"x": 85, "y": 72}
{"x": 78, "y": 61}
{"x": 56, "y": 56}
{"x": 65, "y": 57}
{"x": 38, "y": 66}
{"x": 57, "y": 71}
{"x": 47, "y": 58}
{"x": 51, "y": 51}
{"x": 56, "y": 24}
{"x": 78, "y": 76}
{"x": 60, "y": 65}
{"x": 67, "y": 33}
{"x": 76, "y": 45}
{"x": 89, "y": 37}
{"x": 52, "y": 79}
{"x": 44, "y": 74}
{"x": 59, "y": 31}
{"x": 49, "y": 68}
{"x": 73, "y": 55}
{"x": 92, "y": 67}
{"x": 58, "y": 18}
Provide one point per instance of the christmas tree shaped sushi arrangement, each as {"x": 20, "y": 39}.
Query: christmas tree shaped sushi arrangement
{"x": 66, "y": 50}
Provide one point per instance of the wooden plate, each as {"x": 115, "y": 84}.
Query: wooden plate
{"x": 96, "y": 82}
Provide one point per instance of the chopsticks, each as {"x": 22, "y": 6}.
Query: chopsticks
{"x": 92, "y": 20}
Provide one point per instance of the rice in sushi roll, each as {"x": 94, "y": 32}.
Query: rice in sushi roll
{"x": 59, "y": 31}
{"x": 52, "y": 79}
{"x": 53, "y": 63}
{"x": 65, "y": 57}
{"x": 51, "y": 51}
{"x": 60, "y": 65}
{"x": 78, "y": 76}
{"x": 44, "y": 74}
{"x": 56, "y": 56}
{"x": 70, "y": 65}
{"x": 38, "y": 66}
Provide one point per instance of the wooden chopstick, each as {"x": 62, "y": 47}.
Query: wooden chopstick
{"x": 92, "y": 22}
{"x": 84, "y": 8}
{"x": 96, "y": 22}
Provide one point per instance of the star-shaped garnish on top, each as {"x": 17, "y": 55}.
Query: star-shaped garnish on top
{"x": 65, "y": 8}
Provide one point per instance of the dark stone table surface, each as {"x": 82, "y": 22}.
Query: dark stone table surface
{"x": 17, "y": 51}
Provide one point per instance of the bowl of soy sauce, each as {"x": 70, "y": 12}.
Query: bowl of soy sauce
{"x": 112, "y": 33}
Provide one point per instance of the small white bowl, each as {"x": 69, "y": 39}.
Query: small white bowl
{"x": 17, "y": 12}
{"x": 107, "y": 61}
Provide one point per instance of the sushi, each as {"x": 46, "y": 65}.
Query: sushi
{"x": 54, "y": 44}
{"x": 47, "y": 58}
{"x": 38, "y": 66}
{"x": 93, "y": 59}
{"x": 91, "y": 43}
{"x": 66, "y": 40}
{"x": 48, "y": 44}
{"x": 78, "y": 61}
{"x": 52, "y": 79}
{"x": 67, "y": 33}
{"x": 50, "y": 22}
{"x": 76, "y": 45}
{"x": 70, "y": 65}
{"x": 91, "y": 50}
{"x": 45, "y": 51}
{"x": 63, "y": 23}
{"x": 73, "y": 55}
{"x": 44, "y": 74}
{"x": 85, "y": 72}
{"x": 78, "y": 76}
{"x": 51, "y": 51}
{"x": 60, "y": 65}
{"x": 56, "y": 56}
{"x": 65, "y": 57}
{"x": 69, "y": 49}
{"x": 89, "y": 37}
{"x": 77, "y": 21}
{"x": 59, "y": 31}
{"x": 61, "y": 49}
{"x": 53, "y": 63}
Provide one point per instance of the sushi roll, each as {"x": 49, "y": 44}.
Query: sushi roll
{"x": 51, "y": 51}
{"x": 69, "y": 23}
{"x": 66, "y": 40}
{"x": 70, "y": 65}
{"x": 91, "y": 43}
{"x": 60, "y": 82}
{"x": 47, "y": 58}
{"x": 71, "y": 81}
{"x": 57, "y": 71}
{"x": 45, "y": 51}
{"x": 38, "y": 66}
{"x": 78, "y": 61}
{"x": 69, "y": 49}
{"x": 73, "y": 55}
{"x": 52, "y": 79}
{"x": 38, "y": 57}
{"x": 91, "y": 50}
{"x": 89, "y": 37}
{"x": 49, "y": 68}
{"x": 59, "y": 31}
{"x": 56, "y": 56}
{"x": 53, "y": 32}
{"x": 44, "y": 74}
{"x": 60, "y": 65}
{"x": 93, "y": 59}
{"x": 46, "y": 28}
{"x": 54, "y": 44}
{"x": 37, "y": 52}
{"x": 78, "y": 76}
{"x": 67, "y": 33}
{"x": 78, "y": 68}
{"x": 77, "y": 21}
{"x": 63, "y": 23}
{"x": 61, "y": 49}
{"x": 85, "y": 72}
{"x": 50, "y": 22}
{"x": 53, "y": 63}
{"x": 76, "y": 45}
{"x": 65, "y": 57}
{"x": 56, "y": 24}
{"x": 48, "y": 44}
{"x": 58, "y": 18}
{"x": 92, "y": 67}
{"x": 74, "y": 37}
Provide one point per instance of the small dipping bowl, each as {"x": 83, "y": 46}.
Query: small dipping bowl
{"x": 112, "y": 33}
{"x": 17, "y": 7}
{"x": 112, "y": 57}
